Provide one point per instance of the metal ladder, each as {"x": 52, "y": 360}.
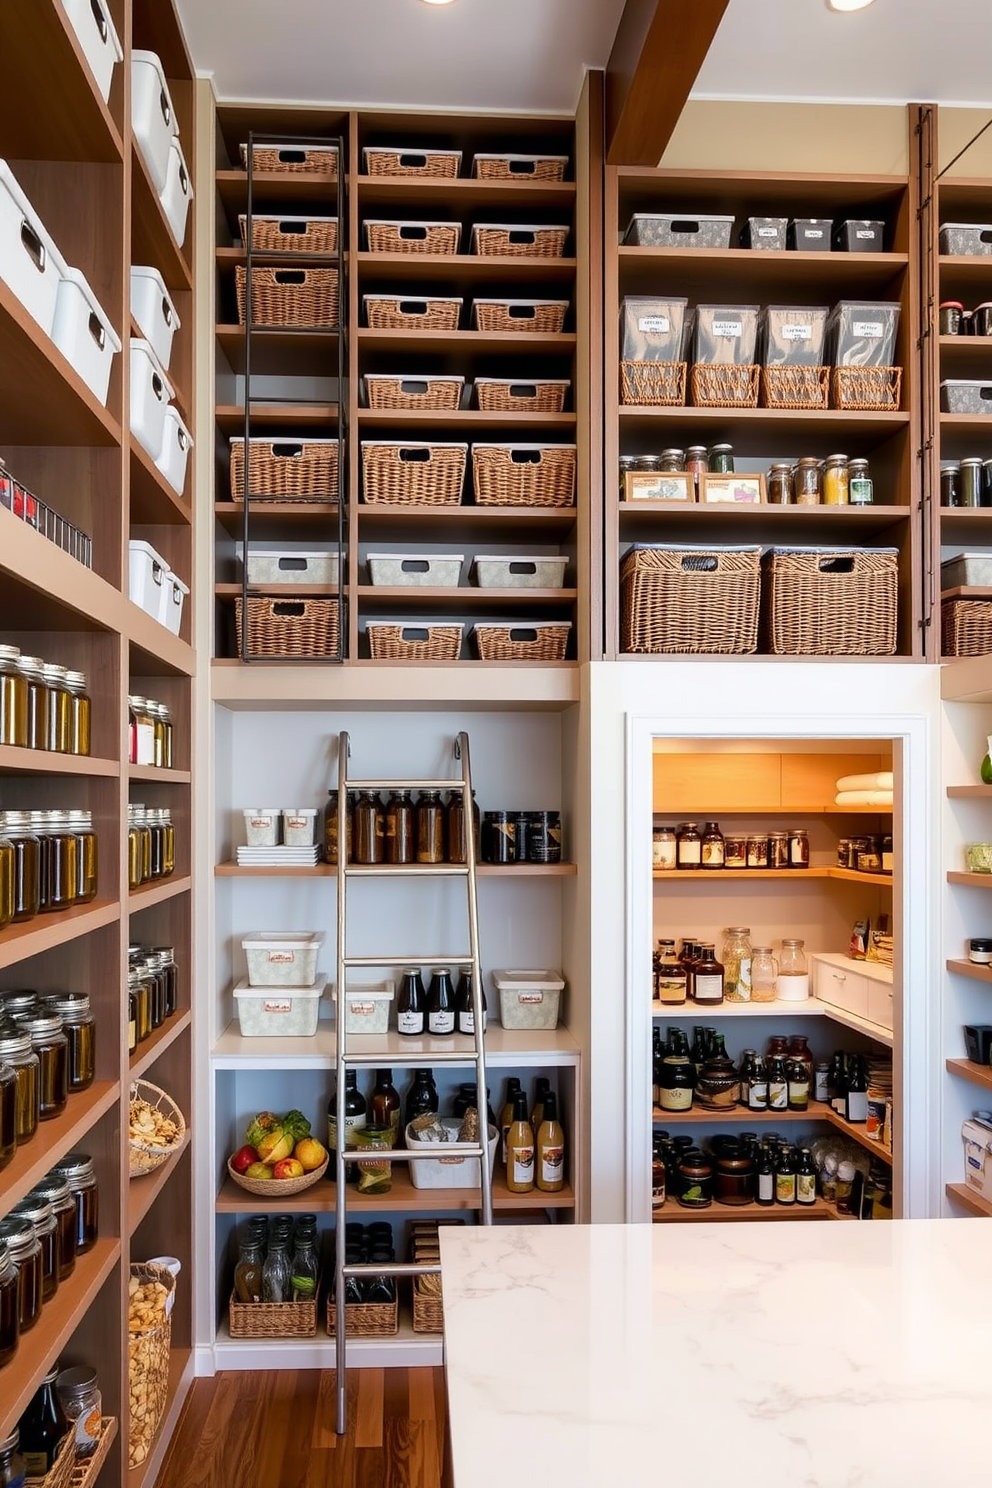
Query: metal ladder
{"x": 415, "y": 872}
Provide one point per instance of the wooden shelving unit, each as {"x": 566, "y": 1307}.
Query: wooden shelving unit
{"x": 961, "y": 1194}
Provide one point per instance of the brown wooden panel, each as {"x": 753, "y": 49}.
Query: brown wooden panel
{"x": 708, "y": 783}
{"x": 810, "y": 780}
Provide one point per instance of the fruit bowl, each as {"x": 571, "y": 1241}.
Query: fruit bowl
{"x": 278, "y": 1188}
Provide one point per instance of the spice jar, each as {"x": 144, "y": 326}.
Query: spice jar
{"x": 16, "y": 1050}
{"x": 663, "y": 849}
{"x": 734, "y": 852}
{"x": 54, "y": 1191}
{"x": 711, "y": 846}
{"x": 697, "y": 464}
{"x": 798, "y": 847}
{"x": 430, "y": 827}
{"x": 757, "y": 851}
{"x": 52, "y": 1048}
{"x": 860, "y": 489}
{"x": 80, "y": 712}
{"x": 39, "y": 1213}
{"x": 779, "y": 483}
{"x": 59, "y": 708}
{"x": 672, "y": 460}
{"x": 6, "y": 881}
{"x": 835, "y": 481}
{"x": 30, "y": 668}
{"x": 689, "y": 846}
{"x": 970, "y": 482}
{"x": 8, "y": 1113}
{"x": 721, "y": 459}
{"x": 77, "y": 1170}
{"x": 80, "y": 1398}
{"x": 25, "y": 1251}
{"x": 695, "y": 1187}
{"x": 950, "y": 483}
{"x": 807, "y": 487}
{"x": 949, "y": 316}
{"x": 13, "y": 699}
{"x": 10, "y": 1325}
{"x": 59, "y": 860}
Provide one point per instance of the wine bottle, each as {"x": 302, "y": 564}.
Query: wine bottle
{"x": 385, "y": 1102}
{"x": 520, "y": 1149}
{"x": 856, "y": 1094}
{"x": 410, "y": 1004}
{"x": 42, "y": 1427}
{"x": 422, "y": 1096}
{"x": 464, "y": 1010}
{"x": 440, "y": 1003}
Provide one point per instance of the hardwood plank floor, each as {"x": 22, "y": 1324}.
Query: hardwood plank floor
{"x": 275, "y": 1429}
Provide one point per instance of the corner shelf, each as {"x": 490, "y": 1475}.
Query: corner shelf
{"x": 505, "y": 1049}
{"x": 403, "y": 1198}
{"x": 966, "y": 1196}
{"x": 967, "y": 1069}
{"x": 673, "y": 1212}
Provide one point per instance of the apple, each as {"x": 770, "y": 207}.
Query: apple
{"x": 243, "y": 1159}
{"x": 288, "y": 1167}
{"x": 310, "y": 1153}
{"x": 274, "y": 1146}
{"x": 258, "y": 1170}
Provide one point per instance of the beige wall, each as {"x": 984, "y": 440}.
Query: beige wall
{"x": 861, "y": 139}
{"x": 955, "y": 127}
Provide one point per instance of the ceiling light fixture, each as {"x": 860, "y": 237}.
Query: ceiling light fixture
{"x": 448, "y": 2}
{"x": 848, "y": 5}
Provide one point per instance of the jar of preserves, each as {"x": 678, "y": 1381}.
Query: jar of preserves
{"x": 77, "y": 1170}
{"x": 52, "y": 1048}
{"x": 778, "y": 849}
{"x": 836, "y": 477}
{"x": 950, "y": 482}
{"x": 457, "y": 847}
{"x": 430, "y": 827}
{"x": 399, "y": 825}
{"x": 735, "y": 1175}
{"x": 331, "y": 828}
{"x": 39, "y": 1213}
{"x": 798, "y": 847}
{"x": 13, "y": 699}
{"x": 369, "y": 828}
{"x": 80, "y": 712}
{"x": 793, "y": 972}
{"x": 16, "y": 1050}
{"x": 543, "y": 836}
{"x": 25, "y": 1252}
{"x": 672, "y": 460}
{"x": 626, "y": 464}
{"x": 779, "y": 483}
{"x": 30, "y": 668}
{"x": 10, "y": 1328}
{"x": 670, "y": 981}
{"x": 736, "y": 956}
{"x": 54, "y": 1190}
{"x": 757, "y": 851}
{"x": 8, "y": 1113}
{"x": 62, "y": 862}
{"x": 168, "y": 842}
{"x": 697, "y": 464}
{"x": 81, "y": 827}
{"x": 59, "y": 707}
{"x": 860, "y": 489}
{"x": 79, "y": 1027}
{"x": 807, "y": 483}
{"x": 663, "y": 849}
{"x": 970, "y": 482}
{"x": 139, "y": 985}
{"x": 81, "y": 1400}
{"x": 949, "y": 317}
{"x": 498, "y": 832}
{"x": 689, "y": 845}
{"x": 7, "y": 885}
{"x": 695, "y": 1187}
{"x": 721, "y": 459}
{"x": 712, "y": 846}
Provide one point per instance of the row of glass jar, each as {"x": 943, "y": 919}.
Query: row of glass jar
{"x": 966, "y": 482}
{"x": 39, "y": 1241}
{"x": 47, "y": 1053}
{"x": 151, "y": 844}
{"x": 149, "y": 732}
{"x": 697, "y": 460}
{"x": 43, "y": 705}
{"x": 48, "y": 862}
{"x": 152, "y": 990}
{"x": 746, "y": 973}
{"x": 401, "y": 831}
{"x": 808, "y": 481}
{"x": 685, "y": 846}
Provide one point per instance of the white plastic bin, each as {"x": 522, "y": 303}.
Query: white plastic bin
{"x": 177, "y": 193}
{"x": 282, "y": 958}
{"x": 154, "y": 312}
{"x": 94, "y": 27}
{"x": 452, "y": 1170}
{"x": 83, "y": 333}
{"x": 286, "y": 567}
{"x": 146, "y": 575}
{"x": 262, "y": 825}
{"x": 283, "y": 1012}
{"x": 418, "y": 570}
{"x": 30, "y": 263}
{"x": 528, "y": 999}
{"x": 513, "y": 572}
{"x": 298, "y": 825}
{"x": 153, "y": 118}
{"x": 366, "y": 1009}
{"x": 151, "y": 394}
{"x": 174, "y": 593}
{"x": 173, "y": 455}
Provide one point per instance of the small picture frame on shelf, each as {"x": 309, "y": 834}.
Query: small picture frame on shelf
{"x": 735, "y": 490}
{"x": 654, "y": 485}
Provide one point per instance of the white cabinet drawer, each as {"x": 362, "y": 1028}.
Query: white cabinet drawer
{"x": 841, "y": 988}
{"x": 880, "y": 1004}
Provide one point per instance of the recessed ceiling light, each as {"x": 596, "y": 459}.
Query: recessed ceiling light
{"x": 448, "y": 2}
{"x": 845, "y": 5}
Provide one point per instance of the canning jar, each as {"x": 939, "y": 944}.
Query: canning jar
{"x": 80, "y": 1398}
{"x": 81, "y": 827}
{"x": 369, "y": 828}
{"x": 167, "y": 964}
{"x": 970, "y": 482}
{"x": 16, "y": 1050}
{"x": 25, "y": 1251}
{"x": 139, "y": 985}
{"x": 54, "y": 1191}
{"x": 163, "y": 741}
{"x": 30, "y": 668}
{"x": 721, "y": 459}
{"x": 734, "y": 851}
{"x": 10, "y": 1327}
{"x": 626, "y": 464}
{"x": 8, "y": 1113}
{"x": 7, "y": 885}
{"x": 836, "y": 478}
{"x": 779, "y": 485}
{"x": 757, "y": 851}
{"x": 456, "y": 827}
{"x": 663, "y": 849}
{"x": 697, "y": 464}
{"x": 38, "y": 1212}
{"x": 52, "y": 1048}
{"x": 79, "y": 1027}
{"x": 736, "y": 957}
{"x": 689, "y": 845}
{"x": 711, "y": 848}
{"x": 950, "y": 483}
{"x": 764, "y": 975}
{"x": 430, "y": 827}
{"x": 860, "y": 490}
{"x": 80, "y": 713}
{"x": 331, "y": 827}
{"x": 151, "y": 965}
{"x": 949, "y": 317}
{"x": 59, "y": 707}
{"x": 13, "y": 699}
{"x": 77, "y": 1170}
{"x": 672, "y": 460}
{"x": 63, "y": 861}
{"x": 498, "y": 836}
{"x": 793, "y": 972}
{"x": 798, "y": 847}
{"x": 807, "y": 484}
{"x": 400, "y": 846}
{"x": 778, "y": 849}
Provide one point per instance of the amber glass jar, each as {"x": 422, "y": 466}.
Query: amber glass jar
{"x": 39, "y": 1213}
{"x": 52, "y": 1048}
{"x": 79, "y": 1027}
{"x": 139, "y": 985}
{"x": 8, "y": 1113}
{"x": 331, "y": 827}
{"x": 156, "y": 840}
{"x": 37, "y": 701}
{"x": 10, "y": 1326}
{"x": 80, "y": 713}
{"x": 16, "y": 827}
{"x": 7, "y": 883}
{"x": 87, "y": 867}
{"x": 400, "y": 838}
{"x": 62, "y": 862}
{"x": 161, "y": 746}
{"x": 13, "y": 699}
{"x": 134, "y": 849}
{"x": 77, "y": 1170}
{"x": 369, "y": 828}
{"x": 54, "y": 1190}
{"x": 167, "y": 964}
{"x": 430, "y": 827}
{"x": 16, "y": 1050}
{"x": 456, "y": 826}
{"x": 780, "y": 484}
{"x": 59, "y": 708}
{"x": 836, "y": 481}
{"x": 24, "y": 1250}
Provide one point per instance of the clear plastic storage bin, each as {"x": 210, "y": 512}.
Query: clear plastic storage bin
{"x": 966, "y": 239}
{"x": 283, "y": 1012}
{"x": 83, "y": 333}
{"x": 652, "y": 328}
{"x": 282, "y": 959}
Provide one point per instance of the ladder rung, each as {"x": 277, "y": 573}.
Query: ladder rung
{"x": 392, "y": 1268}
{"x": 458, "y": 784}
{"x": 417, "y": 959}
{"x": 414, "y": 1061}
{"x": 407, "y": 1154}
{"x": 408, "y": 870}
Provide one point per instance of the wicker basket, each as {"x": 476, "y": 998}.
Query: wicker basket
{"x": 272, "y": 1319}
{"x": 290, "y": 297}
{"x": 285, "y": 470}
{"x": 278, "y": 1188}
{"x": 695, "y": 601}
{"x": 499, "y": 394}
{"x": 725, "y": 386}
{"x": 966, "y": 627}
{"x": 519, "y": 167}
{"x": 291, "y": 628}
{"x": 59, "y": 1475}
{"x": 795, "y": 387}
{"x": 436, "y": 164}
{"x": 413, "y": 237}
{"x": 498, "y": 241}
{"x": 867, "y": 389}
{"x": 148, "y": 1352}
{"x": 290, "y": 234}
{"x": 413, "y": 474}
{"x": 522, "y": 641}
{"x": 653, "y": 384}
{"x": 523, "y": 474}
{"x": 144, "y": 1156}
{"x": 87, "y": 1469}
{"x": 314, "y": 160}
{"x": 365, "y": 1319}
{"x": 428, "y": 1309}
{"x": 831, "y": 602}
{"x": 412, "y": 642}
{"x": 401, "y": 313}
{"x": 439, "y": 393}
{"x": 534, "y": 317}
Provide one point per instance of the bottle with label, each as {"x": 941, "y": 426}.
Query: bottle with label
{"x": 659, "y": 1174}
{"x": 837, "y": 1081}
{"x": 718, "y": 1084}
{"x": 355, "y": 1118}
{"x": 689, "y": 846}
{"x": 700, "y": 1047}
{"x": 708, "y": 981}
{"x": 430, "y": 827}
{"x": 440, "y": 1003}
{"x": 678, "y": 1075}
{"x": 541, "y": 1090}
{"x": 520, "y": 1149}
{"x": 687, "y": 960}
{"x": 797, "y": 1075}
{"x": 821, "y": 1081}
{"x": 42, "y": 1427}
{"x": 506, "y": 1114}
{"x": 766, "y": 1177}
{"x": 657, "y": 1055}
{"x": 805, "y": 1178}
{"x": 384, "y": 1105}
{"x": 778, "y": 1085}
{"x": 399, "y": 824}
{"x": 798, "y": 1050}
{"x": 856, "y": 1092}
{"x": 464, "y": 1007}
{"x": 785, "y": 1177}
{"x": 737, "y": 964}
{"x": 663, "y": 849}
{"x": 670, "y": 978}
{"x": 711, "y": 847}
{"x": 757, "y": 1087}
{"x": 422, "y": 1096}
{"x": 410, "y": 1004}
{"x": 550, "y": 1161}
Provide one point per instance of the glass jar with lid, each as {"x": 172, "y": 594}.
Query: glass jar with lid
{"x": 861, "y": 490}
{"x": 734, "y": 850}
{"x": 167, "y": 964}
{"x": 736, "y": 956}
{"x": 13, "y": 1468}
{"x": 38, "y": 1212}
{"x": 836, "y": 477}
{"x": 79, "y": 1395}
{"x": 970, "y": 482}
{"x": 59, "y": 707}
{"x": 807, "y": 482}
{"x": 16, "y": 826}
{"x": 142, "y": 731}
{"x": 152, "y": 967}
{"x": 52, "y": 1048}
{"x": 798, "y": 847}
{"x": 400, "y": 837}
{"x": 77, "y": 1170}
{"x": 158, "y": 724}
{"x": 139, "y": 986}
{"x": 764, "y": 975}
{"x": 62, "y": 861}
{"x": 8, "y": 1113}
{"x": 626, "y": 464}
{"x": 31, "y": 669}
{"x": 672, "y": 460}
{"x": 721, "y": 459}
{"x": 80, "y": 712}
{"x": 950, "y": 482}
{"x": 689, "y": 845}
{"x": 25, "y": 1251}
{"x": 369, "y": 828}
{"x": 664, "y": 849}
{"x": 79, "y": 1027}
{"x": 711, "y": 848}
{"x": 16, "y": 1050}
{"x": 168, "y": 842}
{"x": 10, "y": 1332}
{"x": 430, "y": 827}
{"x": 757, "y": 850}
{"x": 13, "y": 699}
{"x": 778, "y": 849}
{"x": 779, "y": 483}
{"x": 81, "y": 826}
{"x": 18, "y": 1005}
{"x": 697, "y": 464}
{"x": 7, "y": 881}
{"x": 793, "y": 972}
{"x": 54, "y": 1190}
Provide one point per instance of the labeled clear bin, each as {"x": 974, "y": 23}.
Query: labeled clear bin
{"x": 862, "y": 333}
{"x": 652, "y": 328}
{"x": 725, "y": 335}
{"x": 262, "y": 825}
{"x": 298, "y": 825}
{"x": 792, "y": 336}
{"x": 529, "y": 999}
{"x": 278, "y": 1012}
{"x": 282, "y": 958}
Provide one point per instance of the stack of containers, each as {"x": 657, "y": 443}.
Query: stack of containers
{"x": 281, "y": 996}
{"x": 153, "y": 587}
{"x": 156, "y": 132}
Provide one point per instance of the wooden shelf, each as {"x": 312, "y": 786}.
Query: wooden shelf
{"x": 971, "y": 880}
{"x": 977, "y": 424}
{"x": 278, "y": 591}
{"x": 153, "y": 502}
{"x": 329, "y": 870}
{"x": 860, "y": 1025}
{"x": 820, "y": 193}
{"x": 15, "y": 761}
{"x": 486, "y": 684}
{"x": 300, "y": 417}
{"x": 756, "y": 430}
{"x": 44, "y": 589}
{"x": 157, "y": 892}
{"x": 972, "y": 270}
{"x": 272, "y": 517}
{"x": 675, "y": 1213}
{"x": 47, "y": 931}
{"x": 464, "y": 596}
{"x": 972, "y": 969}
{"x": 281, "y": 351}
{"x": 811, "y": 1008}
{"x": 415, "y": 268}
{"x": 978, "y": 1074}
{"x": 284, "y": 190}
{"x": 160, "y": 1039}
{"x": 966, "y": 1196}
{"x": 143, "y": 1191}
{"x": 968, "y": 679}
{"x": 151, "y": 236}
{"x": 465, "y": 419}
{"x": 55, "y": 1138}
{"x": 701, "y": 271}
{"x": 737, "y": 1115}
{"x": 402, "y": 1199}
{"x": 969, "y": 792}
{"x": 43, "y": 60}
{"x": 528, "y": 343}
{"x": 794, "y": 875}
{"x": 506, "y": 1048}
{"x": 474, "y": 521}
{"x": 975, "y": 351}
{"x": 155, "y": 775}
{"x": 43, "y": 400}
{"x": 762, "y": 523}
{"x": 461, "y": 192}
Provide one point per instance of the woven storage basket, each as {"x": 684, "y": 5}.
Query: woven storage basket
{"x": 59, "y": 1475}
{"x": 966, "y": 627}
{"x": 436, "y": 164}
{"x": 402, "y": 313}
{"x": 289, "y": 297}
{"x": 143, "y": 1155}
{"x": 724, "y": 386}
{"x": 495, "y": 241}
{"x": 519, "y": 167}
{"x": 414, "y": 392}
{"x": 795, "y": 387}
{"x": 87, "y": 1469}
{"x": 536, "y": 317}
{"x": 272, "y": 1319}
{"x": 868, "y": 389}
{"x": 522, "y": 641}
{"x": 401, "y": 475}
{"x": 412, "y": 642}
{"x": 366, "y": 1319}
{"x": 831, "y": 602}
{"x": 285, "y": 470}
{"x": 289, "y": 627}
{"x": 523, "y": 475}
{"x": 296, "y": 160}
{"x": 148, "y": 1353}
{"x": 695, "y": 601}
{"x": 290, "y": 234}
{"x": 428, "y": 1309}
{"x": 413, "y": 237}
{"x": 658, "y": 384}
{"x": 496, "y": 395}
{"x": 277, "y": 1188}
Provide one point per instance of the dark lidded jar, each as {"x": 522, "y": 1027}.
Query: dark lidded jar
{"x": 77, "y": 1170}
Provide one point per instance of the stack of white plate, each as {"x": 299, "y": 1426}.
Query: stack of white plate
{"x": 284, "y": 857}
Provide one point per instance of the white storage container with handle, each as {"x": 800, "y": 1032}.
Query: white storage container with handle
{"x": 95, "y": 32}
{"x": 153, "y": 118}
{"x": 173, "y": 594}
{"x": 154, "y": 313}
{"x": 174, "y": 453}
{"x": 146, "y": 576}
{"x": 283, "y": 1012}
{"x": 151, "y": 394}
{"x": 528, "y": 999}
{"x": 30, "y": 264}
{"x": 177, "y": 193}
{"x": 83, "y": 333}
{"x": 282, "y": 958}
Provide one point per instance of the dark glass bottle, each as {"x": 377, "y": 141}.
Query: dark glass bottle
{"x": 456, "y": 827}
{"x": 797, "y": 1075}
{"x": 837, "y": 1082}
{"x": 430, "y": 827}
{"x": 856, "y": 1092}
{"x": 766, "y": 1177}
{"x": 688, "y": 846}
{"x": 778, "y": 1085}
{"x": 506, "y": 1114}
{"x": 368, "y": 829}
{"x": 712, "y": 849}
{"x": 440, "y": 1003}
{"x": 708, "y": 978}
{"x": 805, "y": 1178}
{"x": 699, "y": 1046}
{"x": 422, "y": 1096}
{"x": 42, "y": 1427}
{"x": 757, "y": 1087}
{"x": 542, "y": 1088}
{"x": 400, "y": 838}
{"x": 464, "y": 1009}
{"x": 785, "y": 1176}
{"x": 355, "y": 1119}
{"x": 657, "y": 1055}
{"x": 411, "y": 1004}
{"x": 384, "y": 1106}
{"x": 678, "y": 1075}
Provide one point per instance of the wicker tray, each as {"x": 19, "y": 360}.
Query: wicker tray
{"x": 401, "y": 474}
{"x": 504, "y": 394}
{"x": 413, "y": 237}
{"x": 296, "y": 160}
{"x": 536, "y": 317}
{"x": 428, "y": 1309}
{"x": 522, "y": 641}
{"x": 289, "y": 297}
{"x": 414, "y": 392}
{"x": 403, "y": 313}
{"x": 290, "y": 234}
{"x": 696, "y": 601}
{"x": 831, "y": 602}
{"x": 436, "y": 164}
{"x": 272, "y": 1319}
{"x": 725, "y": 386}
{"x": 966, "y": 627}
{"x": 59, "y": 1475}
{"x": 365, "y": 1319}
{"x": 868, "y": 389}
{"x": 87, "y": 1469}
{"x": 144, "y": 1157}
{"x": 497, "y": 241}
{"x": 289, "y": 627}
{"x": 523, "y": 474}
{"x": 412, "y": 642}
{"x": 277, "y": 1188}
{"x": 653, "y": 384}
{"x": 519, "y": 167}
{"x": 285, "y": 470}
{"x": 795, "y": 387}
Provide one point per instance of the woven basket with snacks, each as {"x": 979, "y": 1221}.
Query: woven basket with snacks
{"x": 155, "y": 1128}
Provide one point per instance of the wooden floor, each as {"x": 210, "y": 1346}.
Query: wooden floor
{"x": 275, "y": 1429}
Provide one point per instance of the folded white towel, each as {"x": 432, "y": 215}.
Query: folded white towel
{"x": 882, "y": 781}
{"x": 863, "y": 798}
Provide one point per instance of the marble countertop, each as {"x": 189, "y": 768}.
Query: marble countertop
{"x": 720, "y": 1355}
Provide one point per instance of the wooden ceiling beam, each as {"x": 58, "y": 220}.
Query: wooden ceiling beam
{"x": 659, "y": 48}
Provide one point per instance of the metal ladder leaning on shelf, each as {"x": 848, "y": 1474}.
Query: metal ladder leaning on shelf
{"x": 345, "y": 963}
